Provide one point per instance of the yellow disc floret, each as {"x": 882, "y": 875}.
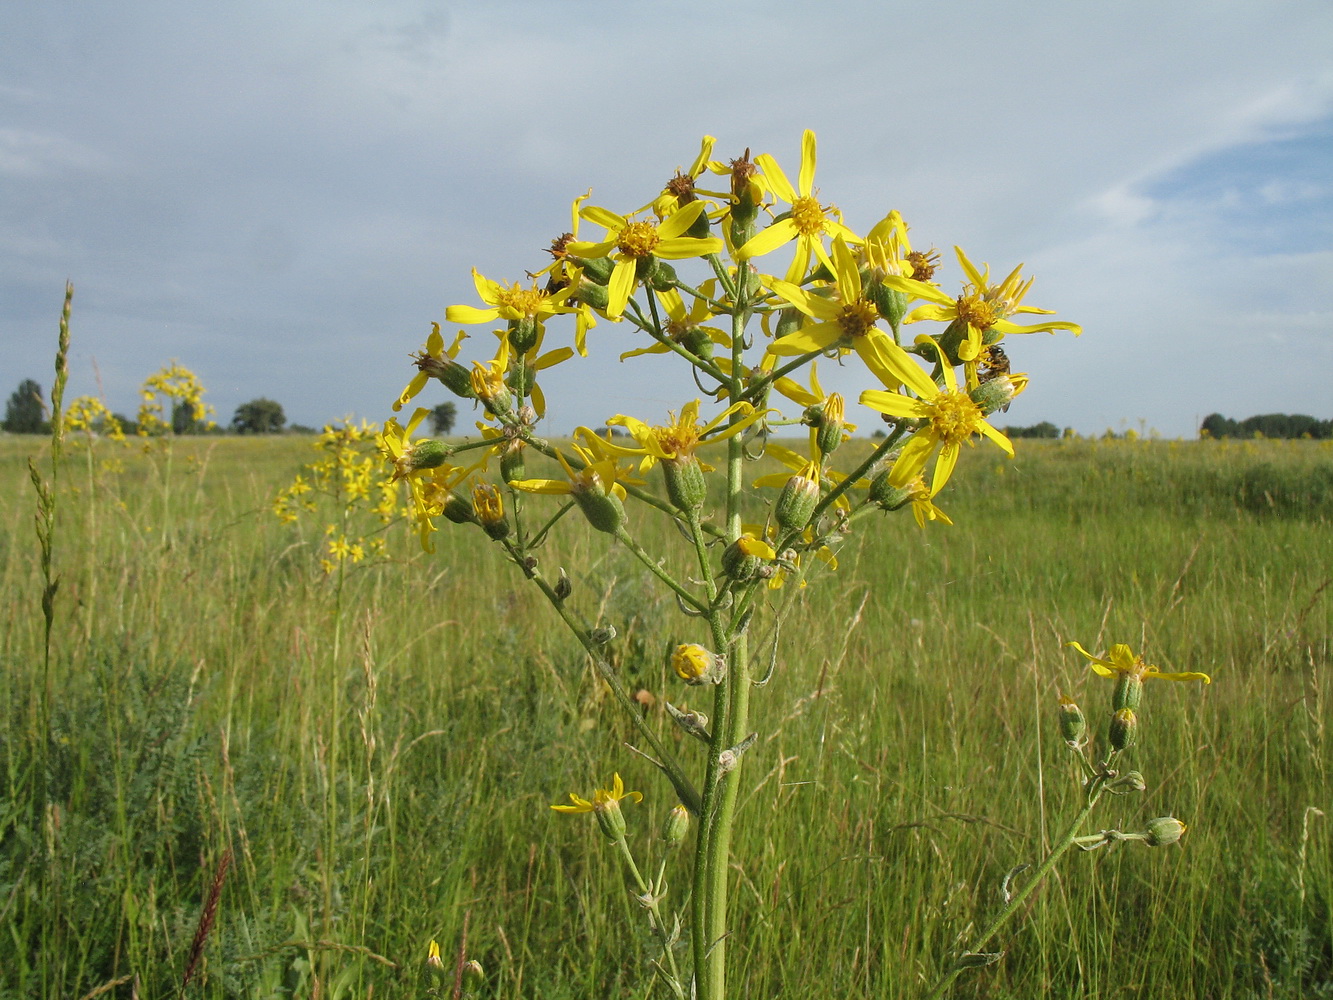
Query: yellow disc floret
{"x": 955, "y": 417}
{"x": 807, "y": 215}
{"x": 638, "y": 239}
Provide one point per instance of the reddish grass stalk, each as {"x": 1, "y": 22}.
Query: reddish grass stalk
{"x": 206, "y": 918}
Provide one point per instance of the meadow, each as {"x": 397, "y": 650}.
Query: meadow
{"x": 379, "y": 756}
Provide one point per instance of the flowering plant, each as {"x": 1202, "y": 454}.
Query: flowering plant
{"x": 744, "y": 335}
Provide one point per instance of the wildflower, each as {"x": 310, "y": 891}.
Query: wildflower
{"x": 436, "y": 361}
{"x": 595, "y": 487}
{"x": 747, "y": 557}
{"x": 949, "y": 418}
{"x": 807, "y": 222}
{"x": 823, "y": 413}
{"x": 680, "y": 190}
{"x": 488, "y": 508}
{"x": 695, "y": 665}
{"x": 685, "y": 327}
{"x": 675, "y": 443}
{"x": 639, "y": 242}
{"x": 605, "y": 805}
{"x": 1120, "y": 659}
{"x": 526, "y": 309}
{"x": 981, "y": 307}
{"x": 844, "y": 320}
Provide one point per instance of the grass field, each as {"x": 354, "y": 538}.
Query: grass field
{"x": 380, "y": 760}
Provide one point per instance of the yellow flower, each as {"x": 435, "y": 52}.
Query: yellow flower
{"x": 633, "y": 242}
{"x": 605, "y": 805}
{"x": 1120, "y": 660}
{"x": 511, "y": 302}
{"x": 807, "y": 222}
{"x": 683, "y": 435}
{"x": 435, "y": 354}
{"x": 982, "y": 306}
{"x": 599, "y": 474}
{"x": 845, "y": 320}
{"x": 949, "y": 418}
{"x": 685, "y": 326}
{"x": 680, "y": 191}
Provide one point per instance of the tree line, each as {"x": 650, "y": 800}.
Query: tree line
{"x": 27, "y": 413}
{"x": 1268, "y": 425}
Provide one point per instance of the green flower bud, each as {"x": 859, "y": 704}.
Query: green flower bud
{"x": 1128, "y": 692}
{"x": 888, "y": 496}
{"x": 473, "y": 973}
{"x": 1124, "y": 728}
{"x": 789, "y": 321}
{"x": 604, "y": 511}
{"x": 595, "y": 269}
{"x": 1164, "y": 830}
{"x": 889, "y": 302}
{"x": 997, "y": 393}
{"x": 523, "y": 334}
{"x": 697, "y": 342}
{"x": 685, "y": 483}
{"x": 424, "y": 454}
{"x": 454, "y": 376}
{"x": 593, "y": 294}
{"x": 458, "y": 510}
{"x": 676, "y": 826}
{"x": 512, "y": 463}
{"x": 662, "y": 275}
{"x": 1073, "y": 726}
{"x": 610, "y": 819}
{"x": 797, "y": 501}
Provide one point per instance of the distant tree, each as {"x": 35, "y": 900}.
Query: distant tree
{"x": 300, "y": 429}
{"x": 25, "y": 414}
{"x": 1268, "y": 425}
{"x": 442, "y": 417}
{"x": 128, "y": 425}
{"x": 184, "y": 418}
{"x": 1045, "y": 429}
{"x": 259, "y": 416}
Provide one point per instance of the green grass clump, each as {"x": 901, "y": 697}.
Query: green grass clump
{"x": 380, "y": 763}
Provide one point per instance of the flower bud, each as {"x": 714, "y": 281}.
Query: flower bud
{"x": 563, "y": 586}
{"x": 1124, "y": 728}
{"x": 1073, "y": 725}
{"x": 1164, "y": 830}
{"x": 595, "y": 269}
{"x": 523, "y": 334}
{"x": 610, "y": 819}
{"x": 829, "y": 427}
{"x": 458, "y": 510}
{"x": 797, "y": 500}
{"x": 676, "y": 826}
{"x": 604, "y": 511}
{"x": 424, "y": 454}
{"x": 488, "y": 508}
{"x": 592, "y": 294}
{"x": 662, "y": 275}
{"x": 435, "y": 969}
{"x": 512, "y": 465}
{"x": 1130, "y": 781}
{"x": 997, "y": 393}
{"x": 491, "y": 389}
{"x": 790, "y": 320}
{"x": 745, "y": 557}
{"x": 473, "y": 973}
{"x": 889, "y": 302}
{"x": 454, "y": 376}
{"x": 685, "y": 484}
{"x": 1128, "y": 692}
{"x": 888, "y": 496}
{"x": 697, "y": 342}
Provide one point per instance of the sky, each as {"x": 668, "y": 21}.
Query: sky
{"x": 284, "y": 196}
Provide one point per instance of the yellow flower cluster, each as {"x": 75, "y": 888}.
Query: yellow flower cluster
{"x": 841, "y": 296}
{"x": 348, "y": 477}
{"x": 181, "y": 387}
{"x": 89, "y": 415}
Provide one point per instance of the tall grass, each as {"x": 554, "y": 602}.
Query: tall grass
{"x": 381, "y": 796}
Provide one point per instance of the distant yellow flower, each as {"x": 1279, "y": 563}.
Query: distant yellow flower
{"x": 949, "y": 418}
{"x": 982, "y": 305}
{"x": 630, "y": 242}
{"x": 1120, "y": 659}
{"x": 808, "y": 222}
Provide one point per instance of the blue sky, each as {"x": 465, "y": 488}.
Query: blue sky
{"x": 284, "y": 196}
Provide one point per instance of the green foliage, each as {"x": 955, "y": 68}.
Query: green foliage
{"x": 259, "y": 416}
{"x": 24, "y": 413}
{"x": 442, "y": 418}
{"x": 1045, "y": 429}
{"x": 377, "y": 793}
{"x": 1268, "y": 425}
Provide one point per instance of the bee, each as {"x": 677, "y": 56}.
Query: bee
{"x": 994, "y": 363}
